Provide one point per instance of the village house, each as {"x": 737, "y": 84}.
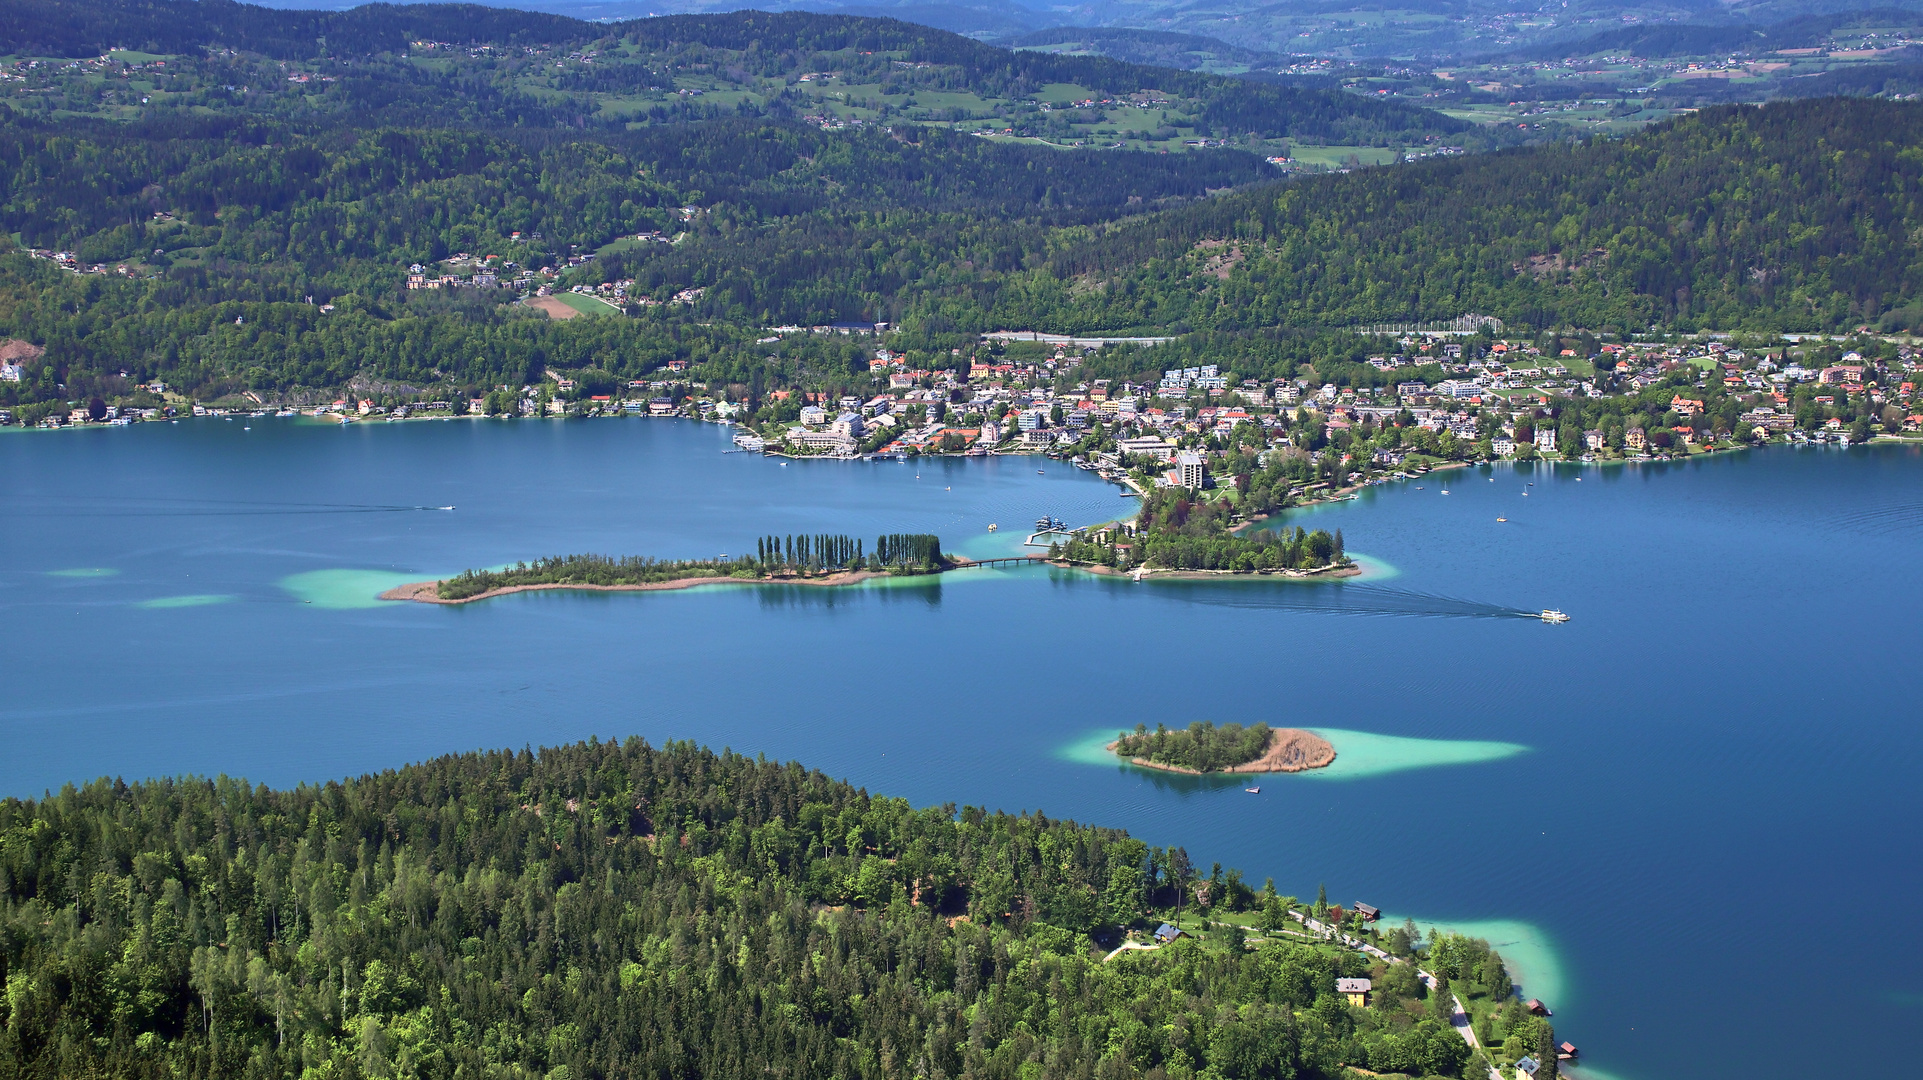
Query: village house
{"x": 1355, "y": 990}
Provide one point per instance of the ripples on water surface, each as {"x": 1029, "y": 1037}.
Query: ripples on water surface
{"x": 1722, "y": 735}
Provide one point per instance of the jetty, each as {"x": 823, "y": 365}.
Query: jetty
{"x": 1010, "y": 560}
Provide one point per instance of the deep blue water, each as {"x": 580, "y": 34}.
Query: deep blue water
{"x": 1717, "y": 814}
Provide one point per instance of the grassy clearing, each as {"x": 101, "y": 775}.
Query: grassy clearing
{"x": 1336, "y": 157}
{"x": 587, "y": 305}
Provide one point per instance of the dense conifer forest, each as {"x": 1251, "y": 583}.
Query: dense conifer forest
{"x": 613, "y": 910}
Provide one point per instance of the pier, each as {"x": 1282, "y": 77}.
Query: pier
{"x": 1011, "y": 560}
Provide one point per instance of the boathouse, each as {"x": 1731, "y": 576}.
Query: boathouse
{"x": 1536, "y": 1007}
{"x": 1368, "y": 912}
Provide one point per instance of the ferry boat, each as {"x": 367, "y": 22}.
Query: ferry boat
{"x": 1552, "y": 615}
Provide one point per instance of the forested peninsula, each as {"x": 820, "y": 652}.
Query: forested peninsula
{"x": 616, "y": 910}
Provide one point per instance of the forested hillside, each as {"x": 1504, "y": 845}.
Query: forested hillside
{"x": 1795, "y": 216}
{"x": 611, "y": 910}
{"x": 239, "y": 223}
{"x": 1799, "y": 216}
{"x": 382, "y": 62}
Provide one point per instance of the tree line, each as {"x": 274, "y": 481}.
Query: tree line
{"x": 598, "y": 571}
{"x": 1202, "y": 746}
{"x": 616, "y": 910}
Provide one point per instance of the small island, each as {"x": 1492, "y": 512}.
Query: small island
{"x": 1178, "y": 534}
{"x": 1203, "y": 747}
{"x": 820, "y": 560}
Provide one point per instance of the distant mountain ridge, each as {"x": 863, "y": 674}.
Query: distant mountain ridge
{"x": 1706, "y": 39}
{"x": 1227, "y": 107}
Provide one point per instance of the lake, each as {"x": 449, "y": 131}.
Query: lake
{"x": 1685, "y": 815}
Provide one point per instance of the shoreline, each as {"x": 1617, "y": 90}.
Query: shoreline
{"x": 1334, "y": 495}
{"x": 422, "y": 592}
{"x": 1351, "y": 570}
{"x": 1290, "y": 750}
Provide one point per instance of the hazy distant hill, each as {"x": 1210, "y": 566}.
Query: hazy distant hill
{"x": 1659, "y": 41}
{"x": 1159, "y": 47}
{"x": 1432, "y": 29}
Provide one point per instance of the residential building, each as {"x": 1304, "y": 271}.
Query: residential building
{"x": 1355, "y": 990}
{"x": 1191, "y": 470}
{"x": 820, "y": 440}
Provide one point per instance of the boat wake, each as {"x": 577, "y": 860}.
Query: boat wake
{"x": 1346, "y": 599}
{"x": 1881, "y": 521}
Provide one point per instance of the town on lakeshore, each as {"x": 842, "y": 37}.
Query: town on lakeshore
{"x": 1425, "y": 399}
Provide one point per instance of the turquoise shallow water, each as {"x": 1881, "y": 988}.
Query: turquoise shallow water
{"x": 1358, "y": 754}
{"x": 1719, "y": 736}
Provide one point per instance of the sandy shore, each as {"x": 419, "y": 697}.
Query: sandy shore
{"x": 1290, "y": 750}
{"x": 424, "y": 592}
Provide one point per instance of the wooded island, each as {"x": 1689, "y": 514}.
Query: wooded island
{"x": 1203, "y": 747}
{"x": 821, "y": 559}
